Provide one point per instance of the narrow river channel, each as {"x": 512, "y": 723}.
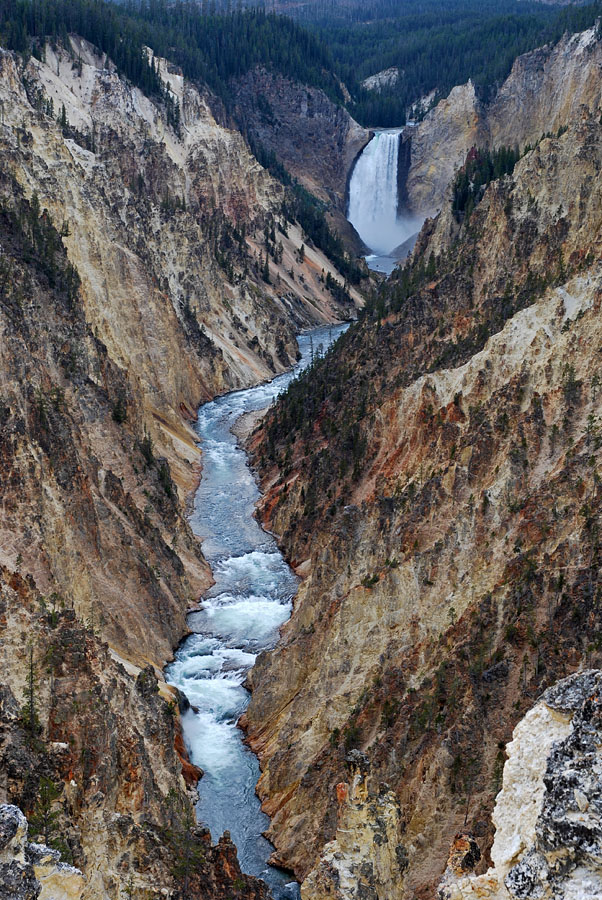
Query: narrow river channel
{"x": 240, "y": 616}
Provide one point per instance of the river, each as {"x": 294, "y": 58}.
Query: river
{"x": 239, "y": 617}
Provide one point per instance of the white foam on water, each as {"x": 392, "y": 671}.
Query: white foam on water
{"x": 240, "y": 616}
{"x": 264, "y": 569}
{"x": 248, "y": 620}
{"x": 211, "y": 744}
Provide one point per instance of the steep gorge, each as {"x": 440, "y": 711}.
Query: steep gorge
{"x": 547, "y": 89}
{"x": 435, "y": 482}
{"x": 151, "y": 287}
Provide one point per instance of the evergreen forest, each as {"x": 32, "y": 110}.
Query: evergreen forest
{"x": 435, "y": 44}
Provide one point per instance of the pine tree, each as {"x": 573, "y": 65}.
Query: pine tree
{"x": 43, "y": 820}
{"x": 29, "y": 713}
{"x": 184, "y": 843}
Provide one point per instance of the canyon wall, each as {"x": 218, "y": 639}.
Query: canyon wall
{"x": 153, "y": 222}
{"x": 436, "y": 485}
{"x": 547, "y": 815}
{"x": 315, "y": 139}
{"x": 547, "y": 89}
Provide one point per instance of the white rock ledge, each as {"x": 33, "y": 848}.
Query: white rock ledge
{"x": 548, "y": 815}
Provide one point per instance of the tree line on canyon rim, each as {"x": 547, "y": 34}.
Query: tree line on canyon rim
{"x": 212, "y": 50}
{"x": 435, "y": 45}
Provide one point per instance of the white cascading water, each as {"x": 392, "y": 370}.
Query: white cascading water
{"x": 239, "y": 617}
{"x": 373, "y": 196}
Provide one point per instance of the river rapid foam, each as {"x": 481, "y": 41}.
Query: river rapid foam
{"x": 239, "y": 617}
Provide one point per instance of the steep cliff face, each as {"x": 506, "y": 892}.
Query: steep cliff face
{"x": 439, "y": 146}
{"x": 155, "y": 225}
{"x": 547, "y": 89}
{"x": 436, "y": 485}
{"x": 316, "y": 140}
{"x": 547, "y": 815}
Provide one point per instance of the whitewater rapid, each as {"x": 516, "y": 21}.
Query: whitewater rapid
{"x": 240, "y": 616}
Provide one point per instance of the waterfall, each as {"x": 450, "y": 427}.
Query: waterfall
{"x": 373, "y": 195}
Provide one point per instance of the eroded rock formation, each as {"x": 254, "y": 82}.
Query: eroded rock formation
{"x": 366, "y": 858}
{"x": 548, "y": 815}
{"x": 133, "y": 285}
{"x": 547, "y": 89}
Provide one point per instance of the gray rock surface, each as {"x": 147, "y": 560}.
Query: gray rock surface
{"x": 32, "y": 871}
{"x": 554, "y": 851}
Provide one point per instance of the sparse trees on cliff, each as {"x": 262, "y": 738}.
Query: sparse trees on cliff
{"x": 183, "y": 841}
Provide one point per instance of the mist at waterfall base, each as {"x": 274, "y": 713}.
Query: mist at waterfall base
{"x": 374, "y": 201}
{"x": 240, "y": 616}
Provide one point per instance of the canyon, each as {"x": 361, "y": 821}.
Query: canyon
{"x": 546, "y": 89}
{"x": 433, "y": 481}
{"x": 134, "y": 287}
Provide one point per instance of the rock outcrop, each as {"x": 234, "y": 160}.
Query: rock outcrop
{"x": 385, "y": 79}
{"x": 548, "y": 815}
{"x": 366, "y": 858}
{"x": 547, "y": 89}
{"x": 32, "y": 871}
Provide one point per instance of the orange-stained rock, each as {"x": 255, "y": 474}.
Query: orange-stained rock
{"x": 342, "y": 790}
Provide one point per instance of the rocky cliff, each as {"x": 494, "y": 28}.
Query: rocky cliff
{"x": 153, "y": 222}
{"x": 547, "y": 815}
{"x": 547, "y": 89}
{"x": 439, "y": 146}
{"x": 315, "y": 139}
{"x": 31, "y": 871}
{"x": 435, "y": 481}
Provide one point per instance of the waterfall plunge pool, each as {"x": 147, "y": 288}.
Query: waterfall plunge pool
{"x": 239, "y": 617}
